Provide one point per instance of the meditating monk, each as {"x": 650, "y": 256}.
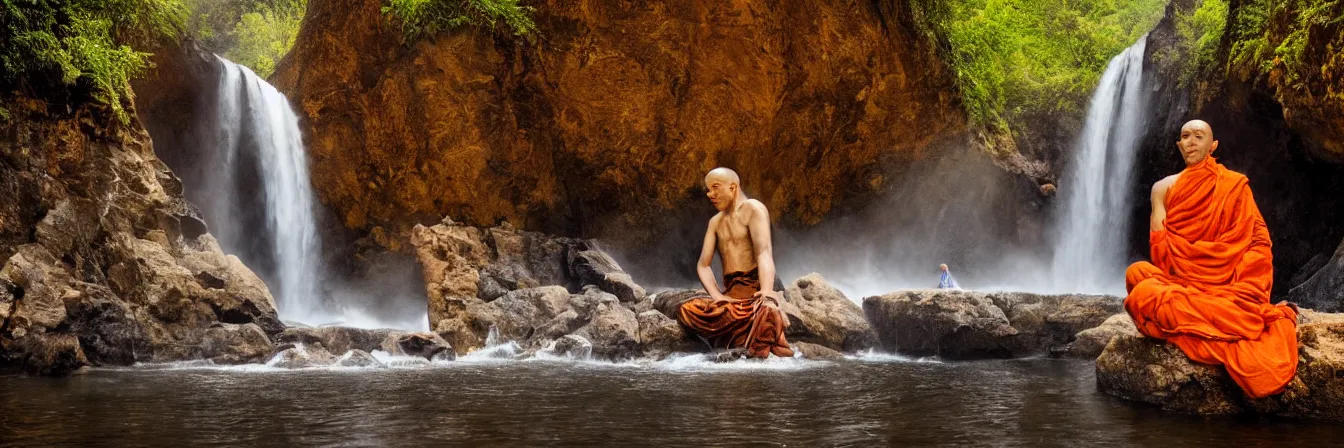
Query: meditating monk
{"x": 746, "y": 312}
{"x": 1207, "y": 288}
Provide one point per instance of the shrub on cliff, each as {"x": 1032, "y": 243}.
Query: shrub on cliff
{"x": 428, "y": 17}
{"x": 1274, "y": 34}
{"x": 73, "y": 51}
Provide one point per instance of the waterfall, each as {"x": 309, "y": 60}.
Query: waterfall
{"x": 254, "y": 114}
{"x": 1092, "y": 227}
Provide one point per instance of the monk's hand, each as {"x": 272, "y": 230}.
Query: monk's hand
{"x": 773, "y": 297}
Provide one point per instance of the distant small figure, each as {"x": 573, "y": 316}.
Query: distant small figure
{"x": 946, "y": 281}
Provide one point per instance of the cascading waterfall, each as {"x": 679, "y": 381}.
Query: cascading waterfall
{"x": 248, "y": 103}
{"x": 1089, "y": 254}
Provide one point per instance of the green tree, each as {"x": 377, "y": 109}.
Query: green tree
{"x": 266, "y": 35}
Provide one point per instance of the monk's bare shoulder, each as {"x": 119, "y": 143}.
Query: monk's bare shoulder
{"x": 758, "y": 207}
{"x": 1160, "y": 188}
{"x": 714, "y": 221}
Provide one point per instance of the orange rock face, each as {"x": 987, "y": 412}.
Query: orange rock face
{"x": 609, "y": 116}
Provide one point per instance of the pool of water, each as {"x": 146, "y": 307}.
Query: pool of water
{"x": 869, "y": 400}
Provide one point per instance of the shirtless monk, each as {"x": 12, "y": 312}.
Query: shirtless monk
{"x": 1207, "y": 288}
{"x": 746, "y": 313}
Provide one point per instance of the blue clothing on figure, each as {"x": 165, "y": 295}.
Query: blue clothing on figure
{"x": 946, "y": 281}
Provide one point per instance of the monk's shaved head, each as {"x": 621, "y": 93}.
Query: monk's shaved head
{"x": 723, "y": 174}
{"x": 1192, "y": 125}
{"x": 1196, "y": 142}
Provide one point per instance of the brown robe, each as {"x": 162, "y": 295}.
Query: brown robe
{"x": 741, "y": 321}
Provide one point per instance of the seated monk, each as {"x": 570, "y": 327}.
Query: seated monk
{"x": 746, "y": 312}
{"x": 1207, "y": 289}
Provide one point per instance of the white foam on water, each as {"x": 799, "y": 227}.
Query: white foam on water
{"x": 879, "y": 357}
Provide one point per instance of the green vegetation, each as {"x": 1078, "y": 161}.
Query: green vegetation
{"x": 1020, "y": 59}
{"x": 1199, "y": 32}
{"x": 429, "y": 17}
{"x": 254, "y": 33}
{"x": 71, "y": 48}
{"x": 1268, "y": 34}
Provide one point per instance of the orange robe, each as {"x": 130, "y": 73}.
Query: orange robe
{"x": 1207, "y": 289}
{"x": 741, "y": 321}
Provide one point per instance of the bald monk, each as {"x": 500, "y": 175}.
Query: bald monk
{"x": 746, "y": 312}
{"x": 1207, "y": 288}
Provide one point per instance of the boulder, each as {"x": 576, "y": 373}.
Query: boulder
{"x": 49, "y": 354}
{"x": 945, "y": 323}
{"x": 336, "y": 339}
{"x": 967, "y": 324}
{"x": 592, "y": 267}
{"x": 660, "y": 336}
{"x": 820, "y": 314}
{"x": 234, "y": 344}
{"x": 358, "y": 358}
{"x": 302, "y": 356}
{"x": 613, "y": 330}
{"x": 817, "y": 352}
{"x": 424, "y": 345}
{"x": 1158, "y": 373}
{"x": 573, "y": 347}
{"x": 1089, "y": 343}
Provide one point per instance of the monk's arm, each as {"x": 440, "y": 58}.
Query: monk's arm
{"x": 703, "y": 267}
{"x": 1160, "y": 203}
{"x": 759, "y": 226}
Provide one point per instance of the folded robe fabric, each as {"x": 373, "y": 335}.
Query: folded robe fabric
{"x": 1207, "y": 288}
{"x": 741, "y": 321}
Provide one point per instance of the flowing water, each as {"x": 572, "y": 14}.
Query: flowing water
{"x": 249, "y": 103}
{"x": 874, "y": 400}
{"x": 1094, "y": 222}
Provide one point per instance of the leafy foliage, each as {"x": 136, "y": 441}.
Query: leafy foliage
{"x": 71, "y": 48}
{"x": 254, "y": 33}
{"x": 1268, "y": 34}
{"x": 1016, "y": 59}
{"x": 428, "y": 17}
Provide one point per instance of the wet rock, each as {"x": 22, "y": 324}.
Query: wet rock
{"x": 817, "y": 352}
{"x": 302, "y": 356}
{"x": 38, "y": 286}
{"x": 1050, "y": 322}
{"x": 49, "y": 354}
{"x": 1155, "y": 372}
{"x": 358, "y": 358}
{"x": 336, "y": 339}
{"x": 942, "y": 323}
{"x": 591, "y": 267}
{"x": 1089, "y": 343}
{"x": 426, "y": 345}
{"x": 613, "y": 330}
{"x": 107, "y": 330}
{"x": 967, "y": 324}
{"x": 660, "y": 336}
{"x": 573, "y": 346}
{"x": 235, "y": 344}
{"x": 820, "y": 314}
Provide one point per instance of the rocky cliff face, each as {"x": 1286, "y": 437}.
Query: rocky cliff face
{"x": 102, "y": 261}
{"x": 1283, "y": 135}
{"x": 592, "y": 128}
